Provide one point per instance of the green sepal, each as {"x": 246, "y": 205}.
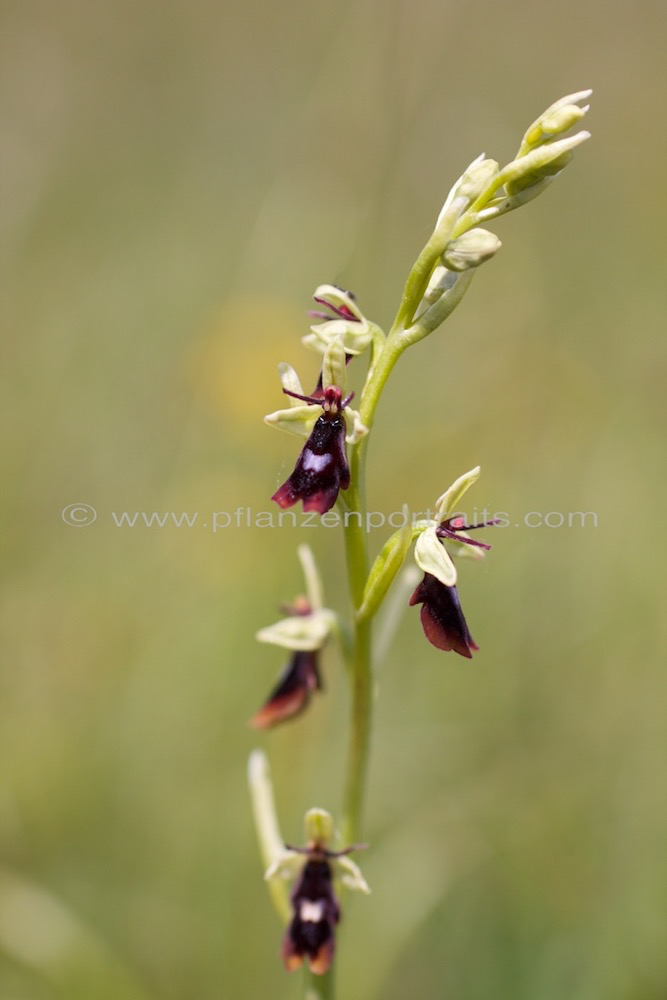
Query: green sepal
{"x": 300, "y": 632}
{"x": 311, "y": 574}
{"x": 291, "y": 382}
{"x": 449, "y": 500}
{"x": 286, "y": 865}
{"x": 350, "y": 875}
{"x": 432, "y": 557}
{"x": 297, "y": 417}
{"x": 318, "y": 826}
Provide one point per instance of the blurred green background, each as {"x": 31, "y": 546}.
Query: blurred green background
{"x": 177, "y": 180}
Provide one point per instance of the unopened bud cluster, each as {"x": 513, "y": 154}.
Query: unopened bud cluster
{"x": 484, "y": 192}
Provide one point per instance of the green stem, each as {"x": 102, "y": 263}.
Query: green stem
{"x": 318, "y": 987}
{"x": 356, "y": 551}
{"x": 357, "y": 758}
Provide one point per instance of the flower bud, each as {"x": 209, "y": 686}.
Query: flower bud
{"x": 476, "y": 179}
{"x": 543, "y": 161}
{"x": 471, "y": 249}
{"x": 441, "y": 281}
{"x": 556, "y": 120}
{"x": 344, "y": 321}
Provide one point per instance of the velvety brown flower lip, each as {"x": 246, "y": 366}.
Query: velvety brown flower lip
{"x": 310, "y": 935}
{"x": 292, "y": 693}
{"x": 442, "y": 619}
{"x": 321, "y": 469}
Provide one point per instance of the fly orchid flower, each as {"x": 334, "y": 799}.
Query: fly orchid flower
{"x": 342, "y": 321}
{"x": 311, "y": 933}
{"x": 441, "y": 616}
{"x": 304, "y": 631}
{"x": 321, "y": 469}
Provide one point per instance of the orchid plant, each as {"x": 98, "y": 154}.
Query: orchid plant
{"x": 330, "y": 470}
